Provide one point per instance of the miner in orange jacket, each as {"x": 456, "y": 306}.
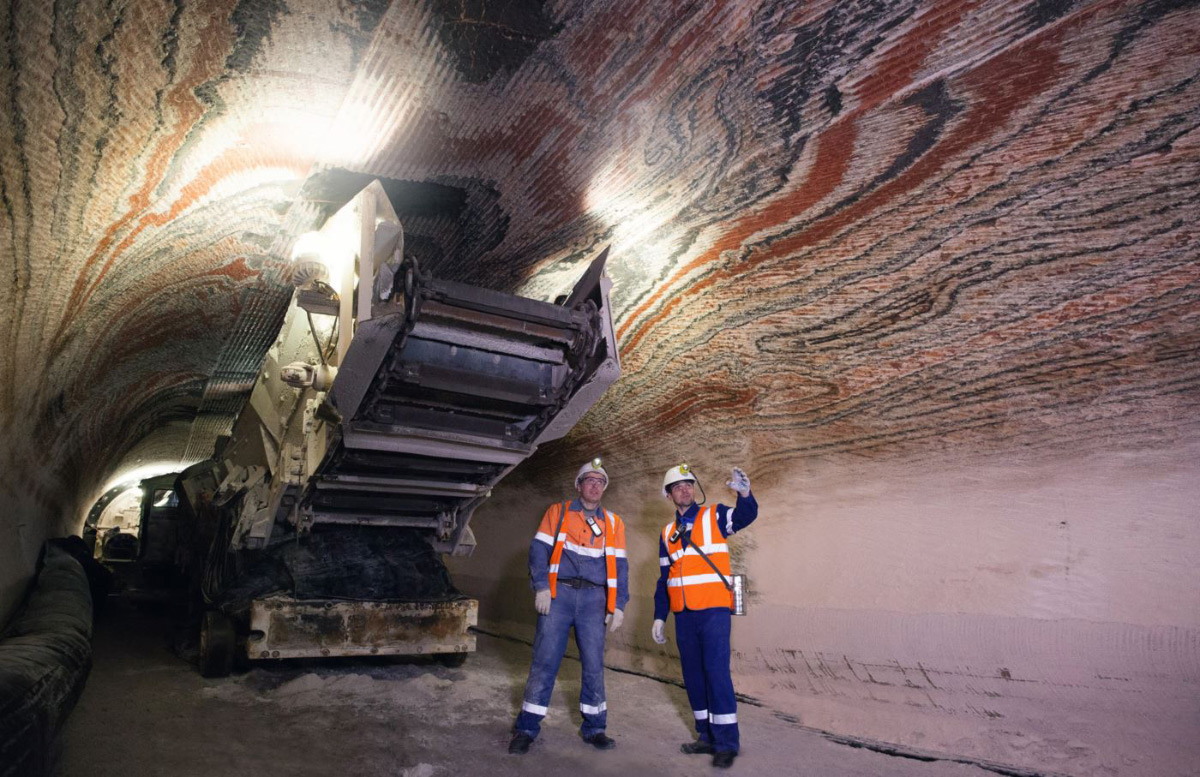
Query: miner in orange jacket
{"x": 695, "y": 585}
{"x": 580, "y": 576}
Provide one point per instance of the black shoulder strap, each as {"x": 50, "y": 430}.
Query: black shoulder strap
{"x": 704, "y": 556}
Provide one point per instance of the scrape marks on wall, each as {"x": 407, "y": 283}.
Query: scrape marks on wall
{"x": 845, "y": 235}
{"x": 1065, "y": 696}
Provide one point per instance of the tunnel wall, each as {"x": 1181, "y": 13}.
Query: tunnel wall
{"x": 29, "y": 516}
{"x": 148, "y": 156}
{"x": 46, "y": 491}
{"x": 16, "y": 566}
{"x": 933, "y": 262}
{"x": 1027, "y": 609}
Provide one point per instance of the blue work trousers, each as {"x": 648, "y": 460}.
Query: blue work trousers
{"x": 583, "y": 608}
{"x": 703, "y": 639}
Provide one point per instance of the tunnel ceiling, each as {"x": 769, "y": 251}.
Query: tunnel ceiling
{"x": 870, "y": 228}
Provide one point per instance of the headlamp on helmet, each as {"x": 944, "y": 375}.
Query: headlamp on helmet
{"x": 595, "y": 466}
{"x": 679, "y": 474}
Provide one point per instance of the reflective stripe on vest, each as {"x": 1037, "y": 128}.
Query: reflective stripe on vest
{"x": 691, "y": 582}
{"x": 610, "y": 557}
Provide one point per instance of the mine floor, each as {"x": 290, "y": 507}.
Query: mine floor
{"x": 145, "y": 711}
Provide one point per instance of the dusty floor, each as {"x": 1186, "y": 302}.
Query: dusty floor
{"x": 146, "y": 712}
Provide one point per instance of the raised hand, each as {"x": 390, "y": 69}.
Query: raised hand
{"x": 740, "y": 482}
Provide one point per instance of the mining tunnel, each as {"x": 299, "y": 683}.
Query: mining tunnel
{"x": 927, "y": 271}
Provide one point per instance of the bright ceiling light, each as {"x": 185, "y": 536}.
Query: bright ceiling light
{"x": 335, "y": 245}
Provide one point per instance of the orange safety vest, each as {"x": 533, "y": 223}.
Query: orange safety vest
{"x": 691, "y": 582}
{"x": 613, "y": 545}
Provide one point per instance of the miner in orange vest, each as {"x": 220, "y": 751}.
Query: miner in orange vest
{"x": 695, "y": 584}
{"x": 580, "y": 576}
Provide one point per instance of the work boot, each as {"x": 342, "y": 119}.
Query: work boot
{"x": 520, "y": 744}
{"x": 724, "y": 759}
{"x": 699, "y": 747}
{"x": 600, "y": 741}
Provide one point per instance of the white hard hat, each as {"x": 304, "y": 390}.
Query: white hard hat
{"x": 595, "y": 465}
{"x": 677, "y": 475}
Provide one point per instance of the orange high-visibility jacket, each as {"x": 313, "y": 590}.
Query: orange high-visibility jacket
{"x": 691, "y": 582}
{"x": 573, "y": 537}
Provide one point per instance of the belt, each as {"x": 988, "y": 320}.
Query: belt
{"x": 579, "y": 582}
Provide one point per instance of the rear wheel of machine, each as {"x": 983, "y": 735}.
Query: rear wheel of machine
{"x": 452, "y": 660}
{"x": 217, "y": 644}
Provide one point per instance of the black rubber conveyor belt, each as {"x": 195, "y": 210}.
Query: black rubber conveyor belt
{"x": 45, "y": 656}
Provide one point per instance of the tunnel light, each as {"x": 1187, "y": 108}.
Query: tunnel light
{"x": 135, "y": 475}
{"x": 308, "y": 266}
{"x": 335, "y": 246}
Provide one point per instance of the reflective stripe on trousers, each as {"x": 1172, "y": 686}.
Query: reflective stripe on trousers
{"x": 583, "y": 608}
{"x": 703, "y": 639}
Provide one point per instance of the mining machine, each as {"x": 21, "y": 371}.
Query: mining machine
{"x": 387, "y": 410}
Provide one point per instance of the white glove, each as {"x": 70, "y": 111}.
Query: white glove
{"x": 541, "y": 602}
{"x": 614, "y": 619}
{"x": 658, "y": 632}
{"x": 740, "y": 482}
